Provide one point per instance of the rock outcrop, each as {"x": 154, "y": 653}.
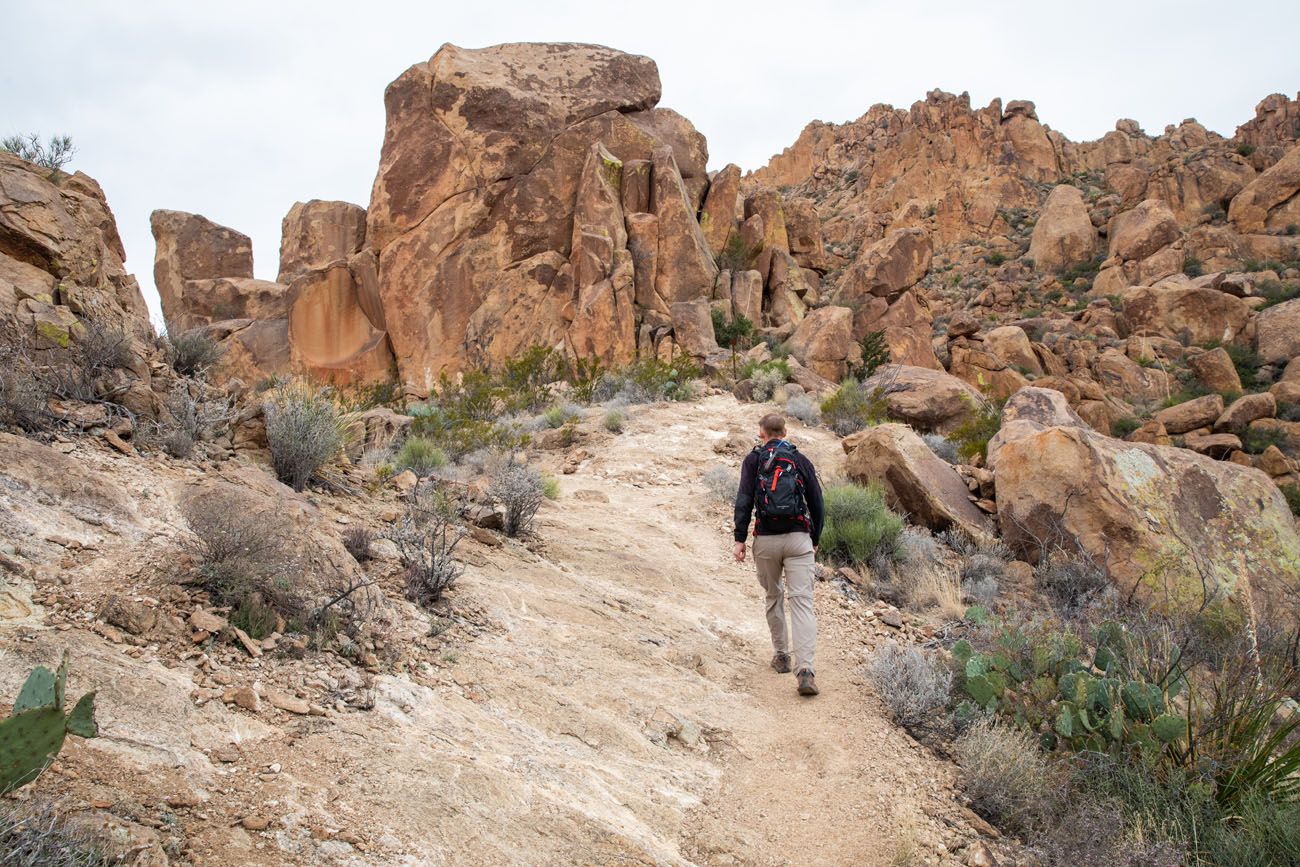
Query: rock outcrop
{"x": 1167, "y": 524}
{"x": 513, "y": 207}
{"x": 64, "y": 288}
{"x": 916, "y": 482}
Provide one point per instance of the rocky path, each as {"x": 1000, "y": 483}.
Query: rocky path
{"x": 605, "y": 699}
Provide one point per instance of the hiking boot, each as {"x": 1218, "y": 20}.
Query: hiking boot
{"x": 807, "y": 685}
{"x": 781, "y": 663}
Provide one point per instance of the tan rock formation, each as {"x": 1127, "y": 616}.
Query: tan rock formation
{"x": 314, "y": 234}
{"x": 192, "y": 247}
{"x": 1270, "y": 200}
{"x": 471, "y": 215}
{"x": 1161, "y": 520}
{"x": 1215, "y": 371}
{"x": 916, "y": 482}
{"x": 1064, "y": 235}
{"x": 929, "y": 400}
{"x": 888, "y": 267}
{"x": 1029, "y": 411}
{"x": 1200, "y": 412}
{"x": 1277, "y": 332}
{"x": 824, "y": 342}
{"x": 721, "y": 208}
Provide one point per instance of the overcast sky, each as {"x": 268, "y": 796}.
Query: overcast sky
{"x": 236, "y": 110}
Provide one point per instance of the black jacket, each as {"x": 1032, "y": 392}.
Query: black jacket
{"x": 812, "y": 491}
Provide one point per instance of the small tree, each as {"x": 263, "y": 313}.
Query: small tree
{"x": 53, "y": 155}
{"x": 875, "y": 352}
{"x": 736, "y": 334}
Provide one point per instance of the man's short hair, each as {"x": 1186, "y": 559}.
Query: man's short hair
{"x": 772, "y": 424}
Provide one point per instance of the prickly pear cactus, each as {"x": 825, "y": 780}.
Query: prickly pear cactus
{"x": 34, "y": 734}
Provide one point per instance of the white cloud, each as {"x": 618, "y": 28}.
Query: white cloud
{"x": 236, "y": 111}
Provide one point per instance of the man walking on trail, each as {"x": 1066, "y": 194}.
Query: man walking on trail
{"x": 782, "y": 485}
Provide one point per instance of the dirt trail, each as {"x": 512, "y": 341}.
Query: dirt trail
{"x": 604, "y": 699}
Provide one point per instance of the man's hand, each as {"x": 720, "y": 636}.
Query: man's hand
{"x": 740, "y": 552}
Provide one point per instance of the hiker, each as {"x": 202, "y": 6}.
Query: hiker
{"x": 782, "y": 484}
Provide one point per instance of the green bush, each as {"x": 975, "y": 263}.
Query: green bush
{"x": 875, "y": 352}
{"x": 1256, "y": 440}
{"x": 1276, "y": 291}
{"x": 191, "y": 352}
{"x": 1192, "y": 266}
{"x": 1125, "y": 425}
{"x": 1006, "y": 777}
{"x": 972, "y": 436}
{"x": 1292, "y": 494}
{"x": 420, "y": 455}
{"x": 53, "y": 155}
{"x": 737, "y": 255}
{"x": 1245, "y": 149}
{"x": 853, "y": 407}
{"x": 858, "y": 525}
{"x": 560, "y": 415}
{"x": 614, "y": 421}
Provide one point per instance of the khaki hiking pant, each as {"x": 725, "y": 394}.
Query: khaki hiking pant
{"x": 793, "y": 554}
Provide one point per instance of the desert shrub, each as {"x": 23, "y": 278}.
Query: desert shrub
{"x": 24, "y": 390}
{"x": 754, "y": 367}
{"x": 550, "y": 487}
{"x": 915, "y": 548}
{"x": 737, "y": 255}
{"x": 913, "y": 687}
{"x": 982, "y": 571}
{"x": 1095, "y": 832}
{"x": 852, "y": 407}
{"x": 37, "y": 833}
{"x": 613, "y": 421}
{"x": 1276, "y": 291}
{"x": 722, "y": 483}
{"x": 802, "y": 407}
{"x": 427, "y": 536}
{"x": 766, "y": 381}
{"x": 525, "y": 379}
{"x": 305, "y": 430}
{"x": 943, "y": 447}
{"x": 194, "y": 413}
{"x": 858, "y": 525}
{"x": 190, "y": 353}
{"x": 1071, "y": 580}
{"x": 1006, "y": 776}
{"x": 1245, "y": 149}
{"x": 648, "y": 379}
{"x": 875, "y": 352}
{"x": 736, "y": 334}
{"x": 561, "y": 414}
{"x": 53, "y": 154}
{"x": 1256, "y": 440}
{"x": 972, "y": 436}
{"x": 254, "y": 616}
{"x": 1192, "y": 266}
{"x": 235, "y": 551}
{"x": 1292, "y": 494}
{"x": 1125, "y": 425}
{"x": 419, "y": 455}
{"x": 520, "y": 491}
{"x": 357, "y": 539}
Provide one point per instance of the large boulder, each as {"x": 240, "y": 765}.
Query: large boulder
{"x": 1215, "y": 371}
{"x": 1143, "y": 230}
{"x": 916, "y": 482}
{"x": 472, "y": 213}
{"x": 824, "y": 342}
{"x": 190, "y": 247}
{"x": 1179, "y": 310}
{"x": 1270, "y": 200}
{"x": 889, "y": 266}
{"x": 314, "y": 234}
{"x": 930, "y": 400}
{"x": 721, "y": 204}
{"x": 1168, "y": 525}
{"x": 1191, "y": 414}
{"x": 1028, "y": 411}
{"x": 1277, "y": 332}
{"x": 1064, "y": 235}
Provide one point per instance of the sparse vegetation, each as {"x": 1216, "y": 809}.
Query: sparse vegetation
{"x": 802, "y": 407}
{"x": 913, "y": 686}
{"x": 858, "y": 525}
{"x": 972, "y": 436}
{"x": 419, "y": 455}
{"x": 1192, "y": 266}
{"x": 357, "y": 539}
{"x": 943, "y": 447}
{"x": 53, "y": 154}
{"x": 305, "y": 431}
{"x": 237, "y": 552}
{"x": 191, "y": 353}
{"x": 38, "y": 833}
{"x": 1124, "y": 425}
{"x": 722, "y": 483}
{"x": 427, "y": 537}
{"x": 1006, "y": 776}
{"x": 875, "y": 352}
{"x": 852, "y": 407}
{"x": 613, "y": 421}
{"x": 737, "y": 255}
{"x": 519, "y": 490}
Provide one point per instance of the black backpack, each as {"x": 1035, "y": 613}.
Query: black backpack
{"x": 780, "y": 486}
